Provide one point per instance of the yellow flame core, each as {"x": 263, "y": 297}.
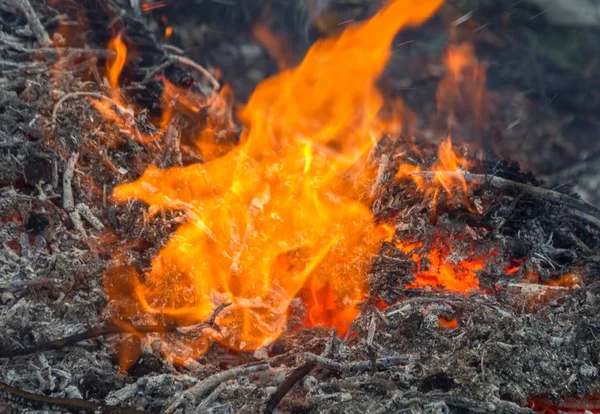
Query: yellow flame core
{"x": 285, "y": 210}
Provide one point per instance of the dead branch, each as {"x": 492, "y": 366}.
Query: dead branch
{"x": 109, "y": 330}
{"x": 295, "y": 376}
{"x": 75, "y": 405}
{"x": 358, "y": 366}
{"x": 576, "y": 207}
{"x": 213, "y": 381}
{"x": 34, "y": 21}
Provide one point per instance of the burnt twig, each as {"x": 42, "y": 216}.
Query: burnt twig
{"x": 53, "y": 53}
{"x": 109, "y": 330}
{"x": 75, "y": 405}
{"x": 359, "y": 366}
{"x": 295, "y": 376}
{"x": 576, "y": 207}
{"x": 34, "y": 21}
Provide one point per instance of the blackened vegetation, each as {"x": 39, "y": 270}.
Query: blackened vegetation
{"x": 512, "y": 340}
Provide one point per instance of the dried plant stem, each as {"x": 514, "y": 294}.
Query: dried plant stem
{"x": 213, "y": 381}
{"x": 576, "y": 207}
{"x": 34, "y": 22}
{"x": 75, "y": 405}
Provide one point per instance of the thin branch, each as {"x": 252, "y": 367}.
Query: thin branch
{"x": 111, "y": 330}
{"x": 285, "y": 387}
{"x": 358, "y": 366}
{"x": 34, "y": 22}
{"x": 74, "y": 405}
{"x": 576, "y": 207}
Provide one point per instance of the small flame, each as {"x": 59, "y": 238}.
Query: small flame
{"x": 284, "y": 210}
{"x": 568, "y": 280}
{"x": 115, "y": 68}
{"x": 461, "y": 95}
{"x": 440, "y": 271}
{"x": 463, "y": 86}
{"x": 445, "y": 174}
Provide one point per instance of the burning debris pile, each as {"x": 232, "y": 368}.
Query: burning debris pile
{"x": 314, "y": 249}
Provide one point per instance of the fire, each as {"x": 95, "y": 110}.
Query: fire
{"x": 461, "y": 95}
{"x": 286, "y": 209}
{"x": 438, "y": 270}
{"x": 463, "y": 86}
{"x": 444, "y": 175}
{"x": 115, "y": 69}
{"x": 568, "y": 280}
{"x": 116, "y": 108}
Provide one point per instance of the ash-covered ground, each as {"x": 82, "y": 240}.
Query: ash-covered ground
{"x": 513, "y": 341}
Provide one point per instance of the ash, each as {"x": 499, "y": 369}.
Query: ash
{"x": 512, "y": 343}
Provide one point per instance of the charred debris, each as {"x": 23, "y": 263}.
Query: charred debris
{"x": 525, "y": 340}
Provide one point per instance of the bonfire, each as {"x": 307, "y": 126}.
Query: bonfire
{"x": 175, "y": 242}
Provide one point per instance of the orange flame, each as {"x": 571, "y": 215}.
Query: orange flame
{"x": 285, "y": 207}
{"x": 462, "y": 91}
{"x": 463, "y": 86}
{"x": 115, "y": 69}
{"x": 438, "y": 270}
{"x": 441, "y": 176}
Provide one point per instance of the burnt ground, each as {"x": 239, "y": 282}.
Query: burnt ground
{"x": 515, "y": 343}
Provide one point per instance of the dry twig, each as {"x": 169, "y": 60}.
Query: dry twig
{"x": 107, "y": 330}
{"x": 34, "y": 21}
{"x": 285, "y": 387}
{"x": 75, "y": 405}
{"x": 72, "y": 95}
{"x": 358, "y": 366}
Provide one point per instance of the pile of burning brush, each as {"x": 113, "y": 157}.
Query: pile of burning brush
{"x": 310, "y": 250}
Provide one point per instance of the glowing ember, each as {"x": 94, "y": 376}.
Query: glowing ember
{"x": 448, "y": 323}
{"x": 436, "y": 269}
{"x": 285, "y": 208}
